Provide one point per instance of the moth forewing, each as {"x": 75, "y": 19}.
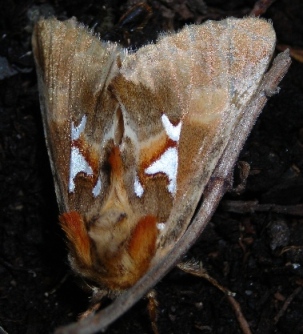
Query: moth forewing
{"x": 220, "y": 84}
{"x": 73, "y": 70}
{"x": 134, "y": 138}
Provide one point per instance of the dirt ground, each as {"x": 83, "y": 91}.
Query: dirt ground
{"x": 254, "y": 242}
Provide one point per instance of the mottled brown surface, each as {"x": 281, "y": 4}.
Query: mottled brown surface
{"x": 252, "y": 254}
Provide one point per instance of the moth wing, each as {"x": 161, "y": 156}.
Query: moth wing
{"x": 74, "y": 69}
{"x": 133, "y": 138}
{"x": 201, "y": 79}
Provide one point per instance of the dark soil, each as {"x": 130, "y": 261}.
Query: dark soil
{"x": 257, "y": 254}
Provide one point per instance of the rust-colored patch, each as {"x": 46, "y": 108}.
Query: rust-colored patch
{"x": 116, "y": 162}
{"x": 89, "y": 154}
{"x": 154, "y": 152}
{"x": 142, "y": 245}
{"x": 73, "y": 225}
{"x": 151, "y": 155}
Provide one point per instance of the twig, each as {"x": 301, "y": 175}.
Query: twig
{"x": 286, "y": 304}
{"x": 197, "y": 269}
{"x": 254, "y": 206}
{"x": 261, "y": 7}
{"x": 239, "y": 315}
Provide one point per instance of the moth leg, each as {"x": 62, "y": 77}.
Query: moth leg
{"x": 243, "y": 173}
{"x": 153, "y": 310}
{"x": 94, "y": 303}
{"x": 90, "y": 311}
{"x": 243, "y": 170}
{"x": 196, "y": 269}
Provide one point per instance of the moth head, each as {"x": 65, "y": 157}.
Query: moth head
{"x": 121, "y": 261}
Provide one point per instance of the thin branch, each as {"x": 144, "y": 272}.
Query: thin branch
{"x": 261, "y": 7}
{"x": 254, "y": 206}
{"x": 286, "y": 304}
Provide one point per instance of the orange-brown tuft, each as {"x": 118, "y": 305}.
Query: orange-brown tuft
{"x": 116, "y": 162}
{"x": 142, "y": 245}
{"x": 73, "y": 225}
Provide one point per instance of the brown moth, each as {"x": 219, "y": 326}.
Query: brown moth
{"x": 134, "y": 138}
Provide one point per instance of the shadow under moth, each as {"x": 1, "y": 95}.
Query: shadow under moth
{"x": 136, "y": 138}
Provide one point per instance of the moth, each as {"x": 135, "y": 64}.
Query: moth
{"x": 134, "y": 137}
